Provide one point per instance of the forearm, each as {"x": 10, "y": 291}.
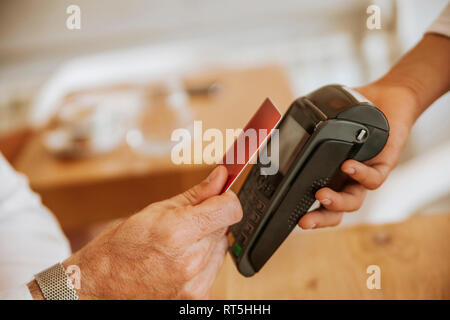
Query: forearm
{"x": 423, "y": 73}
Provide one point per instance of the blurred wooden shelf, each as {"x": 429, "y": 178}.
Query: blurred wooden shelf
{"x": 414, "y": 258}
{"x": 121, "y": 182}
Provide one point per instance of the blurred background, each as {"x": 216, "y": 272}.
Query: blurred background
{"x": 86, "y": 114}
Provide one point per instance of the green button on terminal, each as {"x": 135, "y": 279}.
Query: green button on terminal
{"x": 237, "y": 249}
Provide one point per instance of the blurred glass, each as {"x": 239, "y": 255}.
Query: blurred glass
{"x": 168, "y": 110}
{"x": 92, "y": 122}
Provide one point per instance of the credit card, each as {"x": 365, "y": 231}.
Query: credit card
{"x": 244, "y": 149}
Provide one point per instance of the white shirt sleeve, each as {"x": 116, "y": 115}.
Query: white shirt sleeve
{"x": 18, "y": 293}
{"x": 442, "y": 24}
{"x": 31, "y": 239}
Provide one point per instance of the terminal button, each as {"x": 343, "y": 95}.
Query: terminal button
{"x": 237, "y": 249}
{"x": 260, "y": 206}
{"x": 361, "y": 135}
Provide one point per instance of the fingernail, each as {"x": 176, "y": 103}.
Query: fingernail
{"x": 212, "y": 175}
{"x": 325, "y": 202}
{"x": 350, "y": 170}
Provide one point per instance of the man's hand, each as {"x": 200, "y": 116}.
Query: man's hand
{"x": 394, "y": 102}
{"x": 170, "y": 250}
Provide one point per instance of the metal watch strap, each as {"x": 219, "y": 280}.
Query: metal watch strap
{"x": 55, "y": 284}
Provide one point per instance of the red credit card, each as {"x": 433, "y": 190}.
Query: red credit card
{"x": 252, "y": 138}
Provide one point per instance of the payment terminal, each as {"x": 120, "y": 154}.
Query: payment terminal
{"x": 317, "y": 134}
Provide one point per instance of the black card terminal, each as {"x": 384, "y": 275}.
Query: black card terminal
{"x": 316, "y": 135}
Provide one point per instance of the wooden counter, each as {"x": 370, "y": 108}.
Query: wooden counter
{"x": 414, "y": 258}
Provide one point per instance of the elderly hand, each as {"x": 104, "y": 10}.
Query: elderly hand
{"x": 170, "y": 250}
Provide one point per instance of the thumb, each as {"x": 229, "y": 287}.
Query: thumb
{"x": 206, "y": 189}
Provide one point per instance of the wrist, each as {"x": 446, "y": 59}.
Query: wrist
{"x": 397, "y": 102}
{"x": 408, "y": 90}
{"x": 87, "y": 282}
{"x": 35, "y": 291}
{"x": 94, "y": 265}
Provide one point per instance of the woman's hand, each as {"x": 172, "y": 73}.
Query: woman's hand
{"x": 170, "y": 250}
{"x": 411, "y": 86}
{"x": 398, "y": 104}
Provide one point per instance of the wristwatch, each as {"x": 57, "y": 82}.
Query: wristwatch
{"x": 55, "y": 284}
